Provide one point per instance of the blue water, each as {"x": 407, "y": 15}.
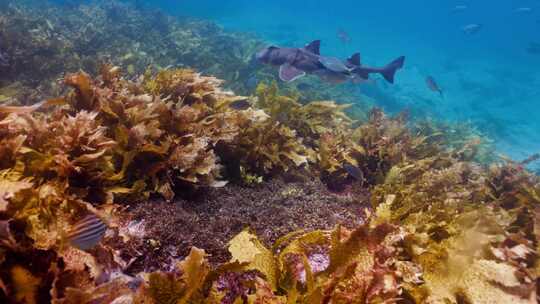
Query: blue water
{"x": 488, "y": 78}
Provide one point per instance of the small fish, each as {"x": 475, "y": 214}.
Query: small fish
{"x": 343, "y": 36}
{"x": 240, "y": 105}
{"x": 354, "y": 171}
{"x": 523, "y": 10}
{"x": 459, "y": 8}
{"x": 87, "y": 232}
{"x": 472, "y": 28}
{"x": 432, "y": 85}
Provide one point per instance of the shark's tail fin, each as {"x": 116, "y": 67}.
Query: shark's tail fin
{"x": 390, "y": 69}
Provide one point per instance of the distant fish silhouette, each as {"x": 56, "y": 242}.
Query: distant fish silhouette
{"x": 459, "y": 8}
{"x": 523, "y": 10}
{"x": 87, "y": 232}
{"x": 530, "y": 159}
{"x": 472, "y": 28}
{"x": 432, "y": 85}
{"x": 343, "y": 36}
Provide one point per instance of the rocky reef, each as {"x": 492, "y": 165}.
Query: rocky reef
{"x": 40, "y": 41}
{"x": 435, "y": 226}
{"x": 208, "y": 196}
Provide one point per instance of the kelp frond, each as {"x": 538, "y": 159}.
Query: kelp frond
{"x": 443, "y": 229}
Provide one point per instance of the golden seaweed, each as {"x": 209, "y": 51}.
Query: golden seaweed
{"x": 444, "y": 229}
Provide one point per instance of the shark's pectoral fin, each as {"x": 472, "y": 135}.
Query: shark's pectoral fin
{"x": 289, "y": 73}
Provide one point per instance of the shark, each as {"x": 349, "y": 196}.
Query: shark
{"x": 295, "y": 63}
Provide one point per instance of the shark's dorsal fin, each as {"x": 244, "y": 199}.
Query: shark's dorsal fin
{"x": 354, "y": 59}
{"x": 314, "y": 47}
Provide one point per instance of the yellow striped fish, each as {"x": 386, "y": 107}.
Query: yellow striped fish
{"x": 87, "y": 232}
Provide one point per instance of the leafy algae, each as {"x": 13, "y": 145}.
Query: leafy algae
{"x": 443, "y": 228}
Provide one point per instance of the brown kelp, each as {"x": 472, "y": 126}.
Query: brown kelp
{"x": 111, "y": 139}
{"x": 443, "y": 229}
{"x": 443, "y": 225}
{"x": 471, "y": 232}
{"x": 332, "y": 141}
